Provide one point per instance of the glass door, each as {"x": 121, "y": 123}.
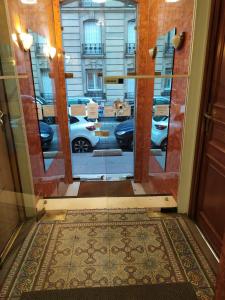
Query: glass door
{"x": 99, "y": 40}
{"x": 12, "y": 211}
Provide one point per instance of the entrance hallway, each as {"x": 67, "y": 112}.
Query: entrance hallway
{"x": 100, "y": 248}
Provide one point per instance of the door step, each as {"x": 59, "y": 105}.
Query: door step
{"x": 108, "y": 152}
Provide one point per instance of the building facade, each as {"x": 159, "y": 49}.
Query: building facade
{"x": 99, "y": 40}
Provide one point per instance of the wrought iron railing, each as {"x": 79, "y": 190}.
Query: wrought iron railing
{"x": 93, "y": 49}
{"x": 130, "y": 48}
{"x": 95, "y": 94}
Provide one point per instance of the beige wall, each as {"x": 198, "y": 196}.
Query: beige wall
{"x": 202, "y": 15}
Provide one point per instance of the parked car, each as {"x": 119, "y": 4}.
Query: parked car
{"x": 82, "y": 134}
{"x": 46, "y": 134}
{"x": 159, "y": 100}
{"x": 159, "y": 135}
{"x": 49, "y": 120}
{"x": 124, "y": 133}
{"x": 80, "y": 100}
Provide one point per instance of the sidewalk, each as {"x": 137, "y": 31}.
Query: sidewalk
{"x": 86, "y": 164}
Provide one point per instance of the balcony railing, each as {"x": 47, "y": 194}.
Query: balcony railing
{"x": 95, "y": 94}
{"x": 89, "y": 3}
{"x": 93, "y": 49}
{"x": 129, "y": 96}
{"x": 130, "y": 48}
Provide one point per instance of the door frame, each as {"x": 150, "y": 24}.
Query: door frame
{"x": 204, "y": 105}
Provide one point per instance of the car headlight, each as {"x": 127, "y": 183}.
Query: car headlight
{"x": 44, "y": 135}
{"x": 120, "y": 132}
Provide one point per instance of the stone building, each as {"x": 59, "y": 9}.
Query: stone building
{"x": 99, "y": 40}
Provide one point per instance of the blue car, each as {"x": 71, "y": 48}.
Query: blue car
{"x": 46, "y": 134}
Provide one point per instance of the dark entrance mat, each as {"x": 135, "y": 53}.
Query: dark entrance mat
{"x": 173, "y": 291}
{"x": 106, "y": 188}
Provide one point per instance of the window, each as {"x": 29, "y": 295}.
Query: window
{"x": 94, "y": 80}
{"x": 92, "y": 38}
{"x": 131, "y": 39}
{"x": 168, "y": 81}
{"x": 130, "y": 86}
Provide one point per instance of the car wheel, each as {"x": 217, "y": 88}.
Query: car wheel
{"x": 163, "y": 145}
{"x": 81, "y": 145}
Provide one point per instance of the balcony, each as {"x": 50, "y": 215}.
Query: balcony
{"x": 130, "y": 48}
{"x": 95, "y": 94}
{"x": 129, "y": 96}
{"x": 93, "y": 49}
{"x": 89, "y": 3}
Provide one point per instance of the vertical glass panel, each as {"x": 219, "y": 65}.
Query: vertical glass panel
{"x": 100, "y": 40}
{"x": 44, "y": 97}
{"x": 162, "y": 99}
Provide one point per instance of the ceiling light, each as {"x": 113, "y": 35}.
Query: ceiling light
{"x": 29, "y": 1}
{"x": 171, "y": 1}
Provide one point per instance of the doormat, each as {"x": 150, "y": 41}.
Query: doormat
{"x": 105, "y": 189}
{"x": 172, "y": 291}
{"x": 106, "y": 248}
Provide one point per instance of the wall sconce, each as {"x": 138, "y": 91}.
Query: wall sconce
{"x": 26, "y": 40}
{"x": 23, "y": 39}
{"x": 178, "y": 40}
{"x": 153, "y": 52}
{"x": 49, "y": 51}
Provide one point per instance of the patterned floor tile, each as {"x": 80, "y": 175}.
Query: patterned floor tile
{"x": 62, "y": 253}
{"x": 56, "y": 278}
{"x": 88, "y": 277}
{"x": 108, "y": 248}
{"x": 85, "y": 216}
{"x": 116, "y": 231}
{"x": 127, "y": 251}
{"x": 126, "y": 216}
{"x": 88, "y": 252}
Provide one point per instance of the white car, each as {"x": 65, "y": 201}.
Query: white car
{"x": 82, "y": 135}
{"x": 159, "y": 135}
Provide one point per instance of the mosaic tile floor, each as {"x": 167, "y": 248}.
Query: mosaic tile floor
{"x": 109, "y": 248}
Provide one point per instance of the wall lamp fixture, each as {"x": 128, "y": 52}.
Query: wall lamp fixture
{"x": 49, "y": 51}
{"x": 23, "y": 39}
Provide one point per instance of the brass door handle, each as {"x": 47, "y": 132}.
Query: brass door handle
{"x": 1, "y": 120}
{"x": 208, "y": 117}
